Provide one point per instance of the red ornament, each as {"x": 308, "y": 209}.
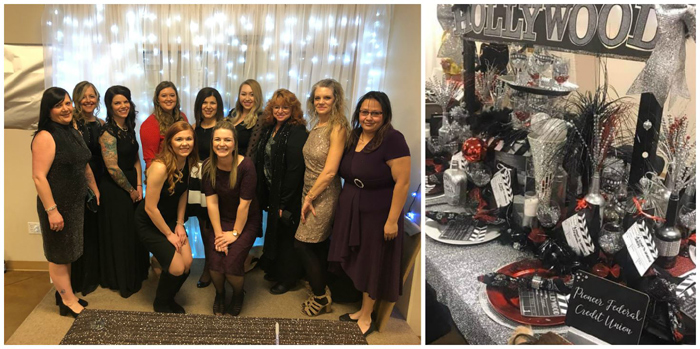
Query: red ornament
{"x": 474, "y": 149}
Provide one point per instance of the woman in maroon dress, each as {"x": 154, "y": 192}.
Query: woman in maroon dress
{"x": 368, "y": 229}
{"x": 229, "y": 182}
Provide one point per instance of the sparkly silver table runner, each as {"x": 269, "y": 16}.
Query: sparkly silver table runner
{"x": 95, "y": 326}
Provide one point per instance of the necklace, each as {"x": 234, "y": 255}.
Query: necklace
{"x": 122, "y": 128}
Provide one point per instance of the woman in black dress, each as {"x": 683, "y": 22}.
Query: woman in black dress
{"x": 208, "y": 110}
{"x": 246, "y": 117}
{"x": 229, "y": 181}
{"x": 85, "y": 272}
{"x": 160, "y": 218}
{"x": 61, "y": 174}
{"x": 280, "y": 169}
{"x": 123, "y": 259}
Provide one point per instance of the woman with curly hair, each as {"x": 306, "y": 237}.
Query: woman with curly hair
{"x": 160, "y": 218}
{"x": 322, "y": 153}
{"x": 280, "y": 169}
{"x": 166, "y": 111}
{"x": 246, "y": 116}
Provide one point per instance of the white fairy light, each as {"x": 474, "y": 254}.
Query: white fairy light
{"x": 249, "y": 26}
{"x": 292, "y": 73}
{"x": 344, "y": 21}
{"x": 130, "y": 17}
{"x": 59, "y": 35}
{"x": 241, "y": 59}
{"x": 333, "y": 42}
{"x": 49, "y": 23}
{"x": 194, "y": 27}
{"x": 152, "y": 38}
{"x": 155, "y": 52}
{"x": 167, "y": 22}
{"x": 235, "y": 42}
{"x": 244, "y": 48}
{"x": 331, "y": 58}
{"x": 290, "y": 21}
{"x": 99, "y": 18}
{"x": 314, "y": 59}
{"x": 99, "y": 7}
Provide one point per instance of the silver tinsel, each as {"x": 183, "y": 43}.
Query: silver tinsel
{"x": 678, "y": 147}
{"x": 664, "y": 72}
{"x": 441, "y": 91}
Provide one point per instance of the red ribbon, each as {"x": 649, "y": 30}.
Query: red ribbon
{"x": 482, "y": 214}
{"x": 581, "y": 204}
{"x": 603, "y": 270}
{"x": 638, "y": 203}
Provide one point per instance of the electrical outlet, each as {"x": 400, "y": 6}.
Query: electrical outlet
{"x": 34, "y": 228}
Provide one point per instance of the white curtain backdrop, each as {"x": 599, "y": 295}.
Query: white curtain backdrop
{"x": 220, "y": 46}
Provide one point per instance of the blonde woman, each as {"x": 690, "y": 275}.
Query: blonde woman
{"x": 322, "y": 154}
{"x": 246, "y": 117}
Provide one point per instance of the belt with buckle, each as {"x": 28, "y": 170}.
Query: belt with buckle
{"x": 358, "y": 183}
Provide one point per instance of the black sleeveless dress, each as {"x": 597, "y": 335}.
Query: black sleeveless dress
{"x": 123, "y": 259}
{"x": 151, "y": 237}
{"x": 85, "y": 272}
{"x": 66, "y": 178}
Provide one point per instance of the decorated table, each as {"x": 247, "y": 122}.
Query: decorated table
{"x": 545, "y": 205}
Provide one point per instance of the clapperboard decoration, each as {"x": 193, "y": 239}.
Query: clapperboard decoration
{"x": 577, "y": 235}
{"x": 501, "y": 184}
{"x": 606, "y": 310}
{"x": 640, "y": 246}
{"x": 542, "y": 303}
{"x": 464, "y": 230}
{"x": 685, "y": 291}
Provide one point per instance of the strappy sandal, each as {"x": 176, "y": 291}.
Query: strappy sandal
{"x": 312, "y": 306}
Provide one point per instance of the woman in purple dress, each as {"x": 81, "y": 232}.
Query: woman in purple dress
{"x": 229, "y": 182}
{"x": 368, "y": 229}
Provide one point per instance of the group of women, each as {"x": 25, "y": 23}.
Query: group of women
{"x": 225, "y": 171}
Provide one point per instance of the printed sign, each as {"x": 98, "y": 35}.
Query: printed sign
{"x": 606, "y": 310}
{"x": 577, "y": 236}
{"x": 640, "y": 245}
{"x": 542, "y": 303}
{"x": 573, "y": 28}
{"x": 686, "y": 291}
{"x": 501, "y": 185}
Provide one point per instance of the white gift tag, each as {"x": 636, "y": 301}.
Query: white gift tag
{"x": 577, "y": 236}
{"x": 640, "y": 245}
{"x": 501, "y": 185}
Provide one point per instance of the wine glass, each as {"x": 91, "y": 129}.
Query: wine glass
{"x": 560, "y": 70}
{"x": 479, "y": 173}
{"x": 610, "y": 239}
{"x": 686, "y": 218}
{"x": 534, "y": 70}
{"x": 518, "y": 60}
{"x": 543, "y": 61}
{"x": 520, "y": 114}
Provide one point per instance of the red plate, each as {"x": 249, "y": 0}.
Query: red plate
{"x": 506, "y": 301}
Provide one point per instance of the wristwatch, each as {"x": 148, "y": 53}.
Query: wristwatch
{"x": 234, "y": 233}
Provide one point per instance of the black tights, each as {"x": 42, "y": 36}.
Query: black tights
{"x": 235, "y": 281}
{"x": 314, "y": 257}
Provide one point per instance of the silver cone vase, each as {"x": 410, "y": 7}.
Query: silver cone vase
{"x": 594, "y": 197}
{"x": 546, "y": 155}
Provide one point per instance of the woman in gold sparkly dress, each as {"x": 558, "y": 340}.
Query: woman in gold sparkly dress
{"x": 322, "y": 153}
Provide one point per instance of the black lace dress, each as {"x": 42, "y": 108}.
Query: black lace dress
{"x": 124, "y": 260}
{"x": 85, "y": 272}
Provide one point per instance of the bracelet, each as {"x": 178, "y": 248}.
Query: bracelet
{"x": 234, "y": 233}
{"x": 139, "y": 185}
{"x": 311, "y": 197}
{"x": 180, "y": 223}
{"x": 51, "y": 208}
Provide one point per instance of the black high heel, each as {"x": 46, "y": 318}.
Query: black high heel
{"x": 64, "y": 310}
{"x": 59, "y": 300}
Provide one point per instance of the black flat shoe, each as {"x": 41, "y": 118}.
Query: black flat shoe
{"x": 202, "y": 284}
{"x": 372, "y": 328}
{"x": 346, "y": 317}
{"x": 64, "y": 310}
{"x": 280, "y": 288}
{"x": 59, "y": 301}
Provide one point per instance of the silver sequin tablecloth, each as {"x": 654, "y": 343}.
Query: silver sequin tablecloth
{"x": 130, "y": 327}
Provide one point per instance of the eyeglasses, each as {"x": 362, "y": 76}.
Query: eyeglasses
{"x": 373, "y": 113}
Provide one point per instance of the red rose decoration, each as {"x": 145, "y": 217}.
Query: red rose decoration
{"x": 474, "y": 149}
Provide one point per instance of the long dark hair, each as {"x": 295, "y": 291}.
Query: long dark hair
{"x": 51, "y": 97}
{"x": 199, "y": 101}
{"x": 113, "y": 91}
{"x": 384, "y": 102}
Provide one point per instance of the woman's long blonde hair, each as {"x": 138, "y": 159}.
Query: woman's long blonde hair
{"x": 251, "y": 119}
{"x": 78, "y": 94}
{"x": 168, "y": 158}
{"x": 337, "y": 115}
{"x": 209, "y": 167}
{"x": 165, "y": 120}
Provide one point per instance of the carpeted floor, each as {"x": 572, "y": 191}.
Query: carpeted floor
{"x": 45, "y": 326}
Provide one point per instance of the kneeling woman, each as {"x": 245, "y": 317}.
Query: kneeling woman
{"x": 160, "y": 217}
{"x": 229, "y": 182}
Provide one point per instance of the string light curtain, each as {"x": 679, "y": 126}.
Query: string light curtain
{"x": 220, "y": 46}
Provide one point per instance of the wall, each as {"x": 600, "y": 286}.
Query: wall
{"x": 20, "y": 194}
{"x": 403, "y": 85}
